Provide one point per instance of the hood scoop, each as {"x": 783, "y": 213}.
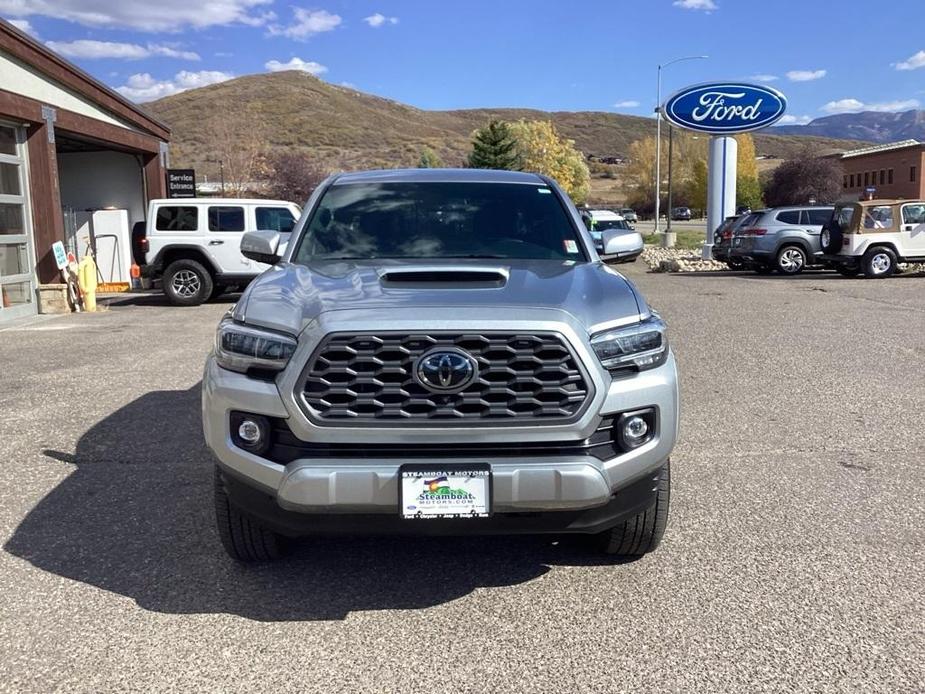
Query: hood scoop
{"x": 445, "y": 277}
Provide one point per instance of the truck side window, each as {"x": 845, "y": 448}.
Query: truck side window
{"x": 789, "y": 217}
{"x": 275, "y": 219}
{"x": 914, "y": 214}
{"x": 177, "y": 218}
{"x": 226, "y": 218}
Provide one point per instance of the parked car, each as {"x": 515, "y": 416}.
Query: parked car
{"x": 629, "y": 214}
{"x": 722, "y": 240}
{"x": 599, "y": 221}
{"x": 192, "y": 246}
{"x": 785, "y": 239}
{"x": 439, "y": 352}
{"x": 680, "y": 214}
{"x": 873, "y": 236}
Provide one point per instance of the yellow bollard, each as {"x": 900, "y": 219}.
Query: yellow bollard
{"x": 86, "y": 279}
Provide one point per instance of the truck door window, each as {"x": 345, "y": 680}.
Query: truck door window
{"x": 914, "y": 214}
{"x": 278, "y": 219}
{"x": 226, "y": 218}
{"x": 816, "y": 217}
{"x": 880, "y": 217}
{"x": 177, "y": 218}
{"x": 789, "y": 217}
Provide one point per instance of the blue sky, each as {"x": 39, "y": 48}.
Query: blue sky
{"x": 601, "y": 55}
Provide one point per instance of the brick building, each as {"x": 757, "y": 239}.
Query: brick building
{"x": 893, "y": 170}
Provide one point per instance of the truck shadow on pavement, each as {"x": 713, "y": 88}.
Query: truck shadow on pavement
{"x": 135, "y": 517}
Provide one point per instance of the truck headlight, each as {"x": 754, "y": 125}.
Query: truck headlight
{"x": 634, "y": 347}
{"x": 241, "y": 347}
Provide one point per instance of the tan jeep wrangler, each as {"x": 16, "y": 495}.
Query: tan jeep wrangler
{"x": 873, "y": 236}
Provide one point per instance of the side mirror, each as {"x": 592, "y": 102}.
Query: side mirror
{"x": 622, "y": 244}
{"x": 262, "y": 246}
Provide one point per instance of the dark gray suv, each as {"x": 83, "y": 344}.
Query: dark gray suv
{"x": 785, "y": 239}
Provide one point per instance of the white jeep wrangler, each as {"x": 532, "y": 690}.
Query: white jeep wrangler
{"x": 874, "y": 236}
{"x": 193, "y": 245}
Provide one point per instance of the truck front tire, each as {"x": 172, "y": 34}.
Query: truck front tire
{"x": 643, "y": 532}
{"x": 243, "y": 538}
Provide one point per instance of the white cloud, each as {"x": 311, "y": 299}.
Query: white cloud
{"x": 855, "y": 105}
{"x": 626, "y": 103}
{"x": 794, "y": 120}
{"x": 805, "y": 75}
{"x": 705, "y": 5}
{"x": 85, "y": 48}
{"x": 305, "y": 24}
{"x": 913, "y": 62}
{"x": 144, "y": 15}
{"x": 764, "y": 78}
{"x": 143, "y": 87}
{"x": 309, "y": 66}
{"x": 377, "y": 20}
{"x": 24, "y": 25}
{"x": 348, "y": 85}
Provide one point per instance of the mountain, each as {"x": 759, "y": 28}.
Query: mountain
{"x": 872, "y": 126}
{"x": 344, "y": 128}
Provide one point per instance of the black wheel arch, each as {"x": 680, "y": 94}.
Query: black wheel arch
{"x": 169, "y": 254}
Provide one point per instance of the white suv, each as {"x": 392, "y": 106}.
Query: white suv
{"x": 193, "y": 245}
{"x": 873, "y": 236}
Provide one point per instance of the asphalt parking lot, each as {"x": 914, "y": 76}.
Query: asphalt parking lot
{"x": 794, "y": 558}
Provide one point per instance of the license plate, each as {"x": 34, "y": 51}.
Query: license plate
{"x": 430, "y": 492}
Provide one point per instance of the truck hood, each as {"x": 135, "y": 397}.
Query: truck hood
{"x": 288, "y": 297}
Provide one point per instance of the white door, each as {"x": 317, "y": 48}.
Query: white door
{"x": 913, "y": 229}
{"x": 225, "y": 225}
{"x": 17, "y": 275}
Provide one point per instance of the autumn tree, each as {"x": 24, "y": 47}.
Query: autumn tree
{"x": 292, "y": 176}
{"x": 806, "y": 177}
{"x": 429, "y": 159}
{"x": 748, "y": 187}
{"x": 240, "y": 144}
{"x": 494, "y": 147}
{"x": 540, "y": 148}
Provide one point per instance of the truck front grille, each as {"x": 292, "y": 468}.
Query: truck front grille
{"x": 363, "y": 377}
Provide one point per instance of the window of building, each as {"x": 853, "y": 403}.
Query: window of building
{"x": 851, "y": 181}
{"x": 845, "y": 181}
{"x": 176, "y": 218}
{"x": 866, "y": 179}
{"x": 911, "y": 174}
{"x": 882, "y": 176}
{"x": 889, "y": 176}
{"x": 226, "y": 218}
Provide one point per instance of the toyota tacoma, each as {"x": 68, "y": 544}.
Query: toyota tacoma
{"x": 439, "y": 352}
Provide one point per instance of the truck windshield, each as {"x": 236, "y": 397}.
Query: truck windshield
{"x": 367, "y": 221}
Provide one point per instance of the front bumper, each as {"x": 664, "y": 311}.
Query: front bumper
{"x": 521, "y": 484}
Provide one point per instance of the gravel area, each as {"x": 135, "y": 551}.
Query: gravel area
{"x": 793, "y": 560}
{"x": 678, "y": 260}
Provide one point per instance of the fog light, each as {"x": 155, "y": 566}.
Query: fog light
{"x": 634, "y": 429}
{"x": 249, "y": 432}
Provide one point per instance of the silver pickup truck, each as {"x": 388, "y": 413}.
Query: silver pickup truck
{"x": 439, "y": 352}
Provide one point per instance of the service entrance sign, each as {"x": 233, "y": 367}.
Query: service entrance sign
{"x": 181, "y": 183}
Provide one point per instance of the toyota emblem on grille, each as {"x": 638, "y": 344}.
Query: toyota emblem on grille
{"x": 446, "y": 370}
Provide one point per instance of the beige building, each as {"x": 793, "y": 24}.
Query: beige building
{"x": 892, "y": 170}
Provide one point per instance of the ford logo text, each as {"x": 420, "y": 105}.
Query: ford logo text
{"x": 725, "y": 108}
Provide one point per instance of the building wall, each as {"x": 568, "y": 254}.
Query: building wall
{"x": 898, "y": 161}
{"x": 25, "y": 80}
{"x": 97, "y": 180}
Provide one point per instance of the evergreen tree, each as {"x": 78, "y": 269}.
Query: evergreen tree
{"x": 494, "y": 147}
{"x": 429, "y": 159}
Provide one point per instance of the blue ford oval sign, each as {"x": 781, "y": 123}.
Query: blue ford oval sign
{"x": 725, "y": 107}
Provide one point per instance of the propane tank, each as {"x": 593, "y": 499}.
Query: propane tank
{"x": 86, "y": 279}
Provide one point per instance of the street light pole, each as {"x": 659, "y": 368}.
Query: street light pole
{"x": 658, "y": 131}
{"x": 670, "y": 143}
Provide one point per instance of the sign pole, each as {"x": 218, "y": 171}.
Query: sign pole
{"x": 721, "y": 186}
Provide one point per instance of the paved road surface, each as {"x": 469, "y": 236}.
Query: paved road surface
{"x": 794, "y": 558}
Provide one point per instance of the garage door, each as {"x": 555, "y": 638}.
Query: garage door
{"x": 17, "y": 279}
